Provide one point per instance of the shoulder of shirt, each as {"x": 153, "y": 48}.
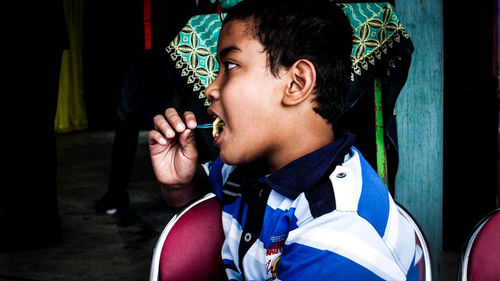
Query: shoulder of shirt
{"x": 364, "y": 209}
{"x": 356, "y": 188}
{"x": 347, "y": 182}
{"x": 340, "y": 191}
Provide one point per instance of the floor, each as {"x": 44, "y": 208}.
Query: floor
{"x": 94, "y": 246}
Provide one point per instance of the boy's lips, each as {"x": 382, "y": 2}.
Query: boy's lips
{"x": 212, "y": 113}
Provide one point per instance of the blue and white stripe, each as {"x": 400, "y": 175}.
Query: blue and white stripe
{"x": 363, "y": 238}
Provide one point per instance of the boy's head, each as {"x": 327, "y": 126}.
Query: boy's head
{"x": 284, "y": 68}
{"x": 316, "y": 30}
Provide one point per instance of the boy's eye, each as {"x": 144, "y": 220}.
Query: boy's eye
{"x": 229, "y": 65}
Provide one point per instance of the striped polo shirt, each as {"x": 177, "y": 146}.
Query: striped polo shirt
{"x": 324, "y": 216}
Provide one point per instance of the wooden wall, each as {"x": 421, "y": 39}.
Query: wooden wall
{"x": 448, "y": 120}
{"x": 419, "y": 182}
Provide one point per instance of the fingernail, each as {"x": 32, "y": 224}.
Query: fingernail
{"x": 170, "y": 133}
{"x": 180, "y": 127}
{"x": 163, "y": 141}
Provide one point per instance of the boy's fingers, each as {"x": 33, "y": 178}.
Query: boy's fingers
{"x": 187, "y": 142}
{"x": 155, "y": 137}
{"x": 163, "y": 126}
{"x": 174, "y": 120}
{"x": 190, "y": 119}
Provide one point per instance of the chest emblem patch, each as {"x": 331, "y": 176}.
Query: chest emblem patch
{"x": 273, "y": 255}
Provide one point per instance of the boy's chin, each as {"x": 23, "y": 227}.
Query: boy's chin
{"x": 232, "y": 158}
{"x": 227, "y": 159}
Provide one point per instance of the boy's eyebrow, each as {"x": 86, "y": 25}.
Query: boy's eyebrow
{"x": 224, "y": 52}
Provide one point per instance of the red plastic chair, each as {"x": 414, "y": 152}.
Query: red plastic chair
{"x": 481, "y": 255}
{"x": 189, "y": 247}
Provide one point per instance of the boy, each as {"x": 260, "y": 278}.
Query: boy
{"x": 299, "y": 202}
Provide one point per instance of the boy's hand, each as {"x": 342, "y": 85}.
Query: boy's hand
{"x": 173, "y": 149}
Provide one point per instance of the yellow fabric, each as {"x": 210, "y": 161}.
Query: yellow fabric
{"x": 71, "y": 114}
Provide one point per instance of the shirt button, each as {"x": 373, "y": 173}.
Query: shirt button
{"x": 341, "y": 175}
{"x": 247, "y": 237}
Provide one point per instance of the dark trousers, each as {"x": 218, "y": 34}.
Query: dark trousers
{"x": 141, "y": 98}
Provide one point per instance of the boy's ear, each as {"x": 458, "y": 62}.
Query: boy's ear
{"x": 302, "y": 80}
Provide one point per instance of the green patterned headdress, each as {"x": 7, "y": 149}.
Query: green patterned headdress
{"x": 378, "y": 36}
{"x": 193, "y": 51}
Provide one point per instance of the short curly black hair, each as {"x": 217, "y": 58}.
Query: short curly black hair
{"x": 316, "y": 30}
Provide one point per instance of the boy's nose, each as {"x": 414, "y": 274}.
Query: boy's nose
{"x": 212, "y": 91}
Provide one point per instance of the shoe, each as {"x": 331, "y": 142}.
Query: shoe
{"x": 112, "y": 204}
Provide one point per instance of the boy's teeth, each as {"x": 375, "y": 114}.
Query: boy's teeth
{"x": 218, "y": 124}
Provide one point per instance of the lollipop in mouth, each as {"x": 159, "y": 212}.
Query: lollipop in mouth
{"x": 217, "y": 127}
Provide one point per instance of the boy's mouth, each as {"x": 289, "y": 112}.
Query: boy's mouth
{"x": 218, "y": 126}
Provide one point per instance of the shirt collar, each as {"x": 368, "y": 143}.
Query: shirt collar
{"x": 303, "y": 173}
{"x": 296, "y": 177}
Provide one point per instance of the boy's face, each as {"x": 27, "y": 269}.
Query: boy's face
{"x": 247, "y": 97}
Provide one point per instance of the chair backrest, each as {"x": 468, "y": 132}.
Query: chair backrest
{"x": 189, "y": 247}
{"x": 481, "y": 255}
{"x": 424, "y": 265}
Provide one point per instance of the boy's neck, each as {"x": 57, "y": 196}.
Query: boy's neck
{"x": 304, "y": 138}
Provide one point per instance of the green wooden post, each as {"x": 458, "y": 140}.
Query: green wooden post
{"x": 419, "y": 182}
{"x": 379, "y": 133}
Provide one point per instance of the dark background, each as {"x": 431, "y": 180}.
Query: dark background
{"x": 470, "y": 110}
{"x": 470, "y": 95}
